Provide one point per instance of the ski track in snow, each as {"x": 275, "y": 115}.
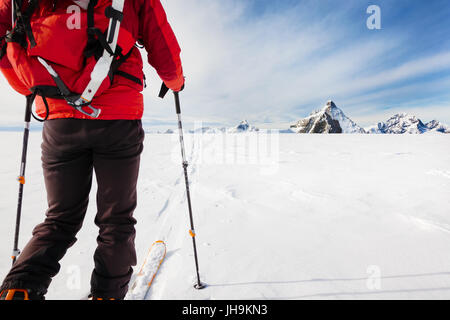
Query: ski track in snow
{"x": 440, "y": 173}
{"x": 174, "y": 232}
{"x": 430, "y": 224}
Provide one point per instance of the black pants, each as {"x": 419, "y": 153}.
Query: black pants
{"x": 72, "y": 150}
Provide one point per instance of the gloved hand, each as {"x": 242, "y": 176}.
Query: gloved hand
{"x": 181, "y": 89}
{"x": 164, "y": 89}
{"x": 177, "y": 85}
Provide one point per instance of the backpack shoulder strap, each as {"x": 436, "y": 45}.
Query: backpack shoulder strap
{"x": 103, "y": 65}
{"x": 21, "y": 27}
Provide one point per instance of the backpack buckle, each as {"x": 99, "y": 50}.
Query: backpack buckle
{"x": 81, "y": 103}
{"x": 115, "y": 16}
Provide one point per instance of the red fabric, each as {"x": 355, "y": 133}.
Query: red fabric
{"x": 14, "y": 81}
{"x": 144, "y": 20}
{"x": 160, "y": 41}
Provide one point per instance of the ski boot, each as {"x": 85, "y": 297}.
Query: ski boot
{"x": 20, "y": 294}
{"x": 92, "y": 297}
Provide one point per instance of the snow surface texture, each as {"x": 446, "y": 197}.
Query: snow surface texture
{"x": 337, "y": 217}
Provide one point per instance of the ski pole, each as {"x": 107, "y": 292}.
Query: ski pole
{"x": 21, "y": 178}
{"x": 198, "y": 285}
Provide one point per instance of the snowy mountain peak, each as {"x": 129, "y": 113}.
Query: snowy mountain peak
{"x": 331, "y": 104}
{"x": 244, "y": 126}
{"x": 407, "y": 123}
{"x": 436, "y": 126}
{"x": 404, "y": 117}
{"x": 328, "y": 119}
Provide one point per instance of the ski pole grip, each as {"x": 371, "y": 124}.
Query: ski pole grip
{"x": 177, "y": 102}
{"x": 28, "y": 107}
{"x": 163, "y": 91}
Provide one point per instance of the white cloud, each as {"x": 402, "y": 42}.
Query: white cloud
{"x": 276, "y": 67}
{"x": 269, "y": 67}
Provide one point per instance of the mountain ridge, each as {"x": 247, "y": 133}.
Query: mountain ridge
{"x": 405, "y": 123}
{"x": 331, "y": 119}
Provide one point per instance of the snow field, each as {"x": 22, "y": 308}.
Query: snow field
{"x": 315, "y": 217}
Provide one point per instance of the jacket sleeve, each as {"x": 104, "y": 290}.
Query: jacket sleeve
{"x": 5, "y": 25}
{"x": 5, "y": 66}
{"x": 161, "y": 44}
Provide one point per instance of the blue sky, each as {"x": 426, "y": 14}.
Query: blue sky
{"x": 273, "y": 62}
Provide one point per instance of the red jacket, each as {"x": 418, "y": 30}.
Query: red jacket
{"x": 144, "y": 20}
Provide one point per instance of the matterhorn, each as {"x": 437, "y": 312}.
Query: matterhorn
{"x": 329, "y": 119}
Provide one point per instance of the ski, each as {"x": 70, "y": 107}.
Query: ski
{"x": 144, "y": 279}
